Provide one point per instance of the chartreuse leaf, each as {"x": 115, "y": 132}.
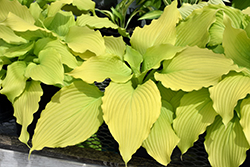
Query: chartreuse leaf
{"x": 67, "y": 58}
{"x": 193, "y": 116}
{"x": 226, "y": 94}
{"x": 156, "y": 54}
{"x": 16, "y": 8}
{"x": 35, "y": 10}
{"x": 245, "y": 116}
{"x": 84, "y": 5}
{"x": 226, "y": 145}
{"x": 81, "y": 39}
{"x": 16, "y": 23}
{"x": 134, "y": 59}
{"x": 15, "y": 81}
{"x": 72, "y": 116}
{"x": 162, "y": 138}
{"x": 217, "y": 29}
{"x": 125, "y": 108}
{"x": 160, "y": 31}
{"x": 115, "y": 45}
{"x": 9, "y": 36}
{"x": 49, "y": 69}
{"x": 56, "y": 6}
{"x": 95, "y": 22}
{"x": 18, "y": 50}
{"x": 60, "y": 23}
{"x": 236, "y": 44}
{"x": 194, "y": 31}
{"x": 166, "y": 93}
{"x": 25, "y": 106}
{"x": 98, "y": 68}
{"x": 186, "y": 9}
{"x": 194, "y": 68}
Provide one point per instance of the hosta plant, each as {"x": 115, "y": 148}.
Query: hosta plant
{"x": 39, "y": 46}
{"x": 179, "y": 78}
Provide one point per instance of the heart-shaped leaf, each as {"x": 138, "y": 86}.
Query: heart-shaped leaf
{"x": 72, "y": 116}
{"x": 49, "y": 69}
{"x": 125, "y": 108}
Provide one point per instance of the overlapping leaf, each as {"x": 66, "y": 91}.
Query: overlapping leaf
{"x": 156, "y": 54}
{"x": 98, "y": 68}
{"x": 226, "y": 94}
{"x": 245, "y": 116}
{"x": 226, "y": 145}
{"x": 160, "y": 31}
{"x": 134, "y": 59}
{"x": 16, "y": 8}
{"x": 95, "y": 22}
{"x": 60, "y": 23}
{"x": 194, "y": 31}
{"x": 162, "y": 138}
{"x": 193, "y": 116}
{"x": 236, "y": 44}
{"x": 72, "y": 116}
{"x": 25, "y": 106}
{"x": 49, "y": 69}
{"x": 18, "y": 50}
{"x": 9, "y": 36}
{"x": 115, "y": 45}
{"x": 194, "y": 68}
{"x": 81, "y": 39}
{"x": 15, "y": 81}
{"x": 62, "y": 49}
{"x": 125, "y": 108}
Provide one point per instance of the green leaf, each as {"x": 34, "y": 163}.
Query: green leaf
{"x": 67, "y": 57}
{"x": 15, "y": 81}
{"x": 95, "y": 22}
{"x": 236, "y": 44}
{"x": 226, "y": 145}
{"x": 134, "y": 59}
{"x": 194, "y": 68}
{"x": 84, "y": 5}
{"x": 162, "y": 139}
{"x": 98, "y": 68}
{"x": 155, "y": 33}
{"x": 35, "y": 10}
{"x": 9, "y": 36}
{"x": 155, "y": 14}
{"x": 49, "y": 69}
{"x": 186, "y": 9}
{"x": 18, "y": 50}
{"x": 245, "y": 115}
{"x": 72, "y": 116}
{"x": 25, "y": 106}
{"x": 115, "y": 45}
{"x": 240, "y": 4}
{"x": 226, "y": 94}
{"x": 156, "y": 54}
{"x": 81, "y": 39}
{"x": 194, "y": 30}
{"x": 193, "y": 116}
{"x": 166, "y": 93}
{"x": 125, "y": 108}
{"x": 60, "y": 23}
{"x": 15, "y": 7}
{"x": 16, "y": 23}
{"x": 56, "y": 6}
{"x": 217, "y": 29}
